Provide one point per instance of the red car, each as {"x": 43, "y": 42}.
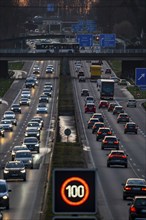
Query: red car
{"x": 90, "y": 108}
{"x": 103, "y": 104}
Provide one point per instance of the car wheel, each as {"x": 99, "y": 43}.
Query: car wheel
{"x": 7, "y": 206}
{"x": 126, "y": 166}
{"x": 117, "y": 121}
{"x": 3, "y": 135}
{"x": 24, "y": 178}
{"x": 125, "y": 132}
{"x": 108, "y": 165}
{"x": 136, "y": 132}
{"x": 124, "y": 197}
{"x": 102, "y": 148}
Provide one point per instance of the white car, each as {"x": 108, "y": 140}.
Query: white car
{"x": 131, "y": 103}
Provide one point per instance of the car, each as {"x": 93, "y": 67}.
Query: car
{"x": 2, "y": 131}
{"x": 134, "y": 187}
{"x": 26, "y": 94}
{"x": 89, "y": 99}
{"x": 130, "y": 127}
{"x": 48, "y": 84}
{"x": 34, "y": 78}
{"x": 122, "y": 117}
{"x": 99, "y": 116}
{"x": 110, "y": 142}
{"x": 111, "y": 106}
{"x": 122, "y": 82}
{"x": 38, "y": 119}
{"x": 32, "y": 132}
{"x": 102, "y": 132}
{"x": 85, "y": 92}
{"x": 96, "y": 126}
{"x": 24, "y": 101}
{"x": 26, "y": 157}
{"x": 91, "y": 122}
{"x": 32, "y": 143}
{"x": 30, "y": 82}
{"x": 34, "y": 125}
{"x": 14, "y": 170}
{"x": 6, "y": 124}
{"x": 49, "y": 70}
{"x": 0, "y": 100}
{"x": 47, "y": 91}
{"x": 42, "y": 108}
{"x": 90, "y": 108}
{"x": 9, "y": 113}
{"x": 4, "y": 194}
{"x": 117, "y": 157}
{"x": 16, "y": 108}
{"x": 81, "y": 73}
{"x": 132, "y": 103}
{"x": 44, "y": 99}
{"x": 118, "y": 109}
{"x": 36, "y": 69}
{"x": 103, "y": 104}
{"x": 108, "y": 71}
{"x": 82, "y": 79}
{"x": 137, "y": 209}
{"x": 11, "y": 118}
{"x": 17, "y": 148}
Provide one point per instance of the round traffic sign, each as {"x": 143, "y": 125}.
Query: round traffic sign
{"x": 67, "y": 131}
{"x": 75, "y": 191}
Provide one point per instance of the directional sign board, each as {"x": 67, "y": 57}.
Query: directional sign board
{"x": 85, "y": 40}
{"x": 74, "y": 191}
{"x": 107, "y": 40}
{"x": 140, "y": 77}
{"x": 51, "y": 7}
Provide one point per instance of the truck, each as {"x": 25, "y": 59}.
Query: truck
{"x": 107, "y": 89}
{"x": 95, "y": 72}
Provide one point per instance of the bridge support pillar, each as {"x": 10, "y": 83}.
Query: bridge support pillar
{"x": 129, "y": 66}
{"x": 4, "y": 69}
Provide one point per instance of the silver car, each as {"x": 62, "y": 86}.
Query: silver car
{"x": 26, "y": 157}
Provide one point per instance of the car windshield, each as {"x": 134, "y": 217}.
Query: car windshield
{"x": 23, "y": 154}
{"x": 136, "y": 182}
{"x": 3, "y": 188}
{"x": 28, "y": 140}
{"x": 140, "y": 202}
{"x": 14, "y": 165}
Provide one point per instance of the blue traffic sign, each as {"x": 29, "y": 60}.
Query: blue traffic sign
{"x": 51, "y": 7}
{"x": 85, "y": 40}
{"x": 107, "y": 40}
{"x": 140, "y": 77}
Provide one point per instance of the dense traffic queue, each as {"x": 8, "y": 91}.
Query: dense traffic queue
{"x": 134, "y": 188}
{"x": 22, "y": 155}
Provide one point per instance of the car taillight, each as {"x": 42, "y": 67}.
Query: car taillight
{"x": 124, "y": 156}
{"x": 127, "y": 188}
{"x": 143, "y": 189}
{"x": 116, "y": 142}
{"x": 109, "y": 132}
{"x": 132, "y": 209}
{"x": 99, "y": 132}
{"x": 105, "y": 142}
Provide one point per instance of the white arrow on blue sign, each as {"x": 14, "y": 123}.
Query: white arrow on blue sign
{"x": 85, "y": 40}
{"x": 140, "y": 76}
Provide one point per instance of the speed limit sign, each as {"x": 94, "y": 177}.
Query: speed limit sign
{"x": 74, "y": 191}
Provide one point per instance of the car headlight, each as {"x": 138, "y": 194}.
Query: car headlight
{"x": 30, "y": 161}
{"x": 5, "y": 197}
{"x": 26, "y": 134}
{"x": 23, "y": 171}
{"x": 6, "y": 171}
{"x": 36, "y": 145}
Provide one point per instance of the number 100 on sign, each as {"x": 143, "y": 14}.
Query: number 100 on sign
{"x": 74, "y": 191}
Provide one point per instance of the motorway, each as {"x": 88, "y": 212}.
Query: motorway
{"x": 109, "y": 180}
{"x": 26, "y": 197}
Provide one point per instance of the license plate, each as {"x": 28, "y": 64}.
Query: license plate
{"x": 136, "y": 188}
{"x": 110, "y": 142}
{"x": 143, "y": 211}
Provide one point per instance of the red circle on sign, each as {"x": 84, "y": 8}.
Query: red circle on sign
{"x": 80, "y": 180}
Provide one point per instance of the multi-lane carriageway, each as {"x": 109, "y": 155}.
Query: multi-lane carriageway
{"x": 26, "y": 197}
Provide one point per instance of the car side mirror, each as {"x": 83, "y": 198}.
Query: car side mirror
{"x": 9, "y": 190}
